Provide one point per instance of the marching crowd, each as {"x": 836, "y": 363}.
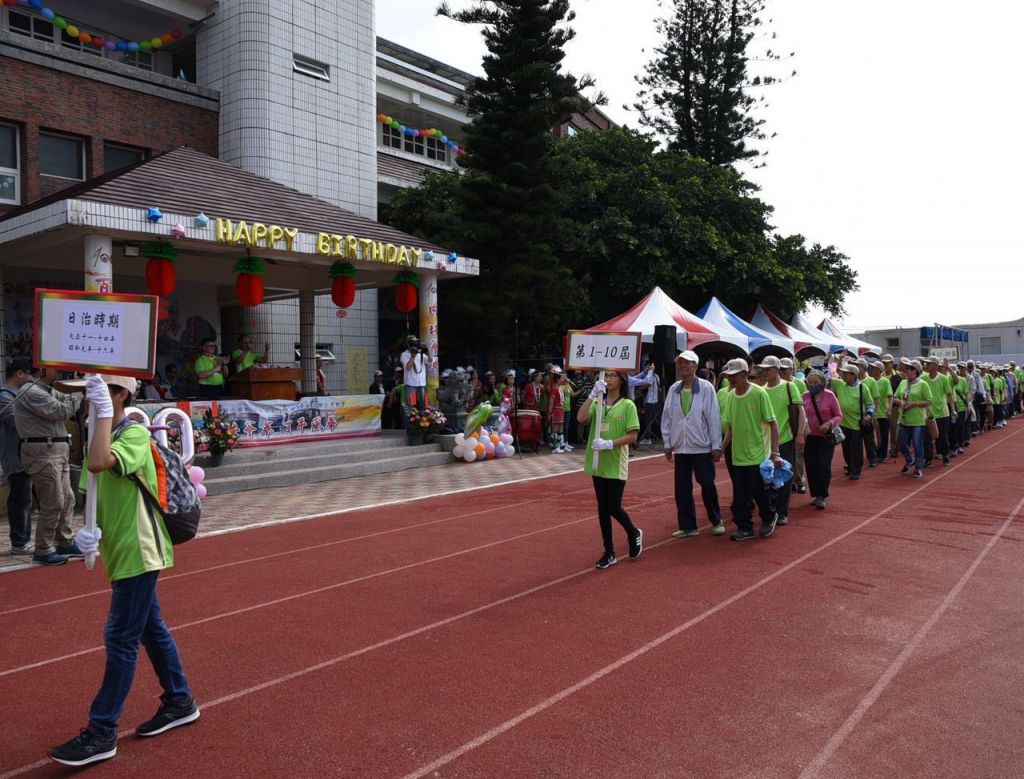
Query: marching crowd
{"x": 769, "y": 419}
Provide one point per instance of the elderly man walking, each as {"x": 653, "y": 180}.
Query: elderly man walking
{"x": 691, "y": 428}
{"x": 39, "y": 414}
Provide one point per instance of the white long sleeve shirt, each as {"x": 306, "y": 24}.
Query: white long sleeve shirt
{"x": 698, "y": 432}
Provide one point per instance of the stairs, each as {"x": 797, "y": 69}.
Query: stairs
{"x": 306, "y": 463}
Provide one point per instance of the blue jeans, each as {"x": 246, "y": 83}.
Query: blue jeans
{"x": 915, "y": 436}
{"x": 420, "y": 398}
{"x": 135, "y": 616}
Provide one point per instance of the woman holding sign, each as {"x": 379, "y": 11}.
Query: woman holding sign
{"x": 620, "y": 424}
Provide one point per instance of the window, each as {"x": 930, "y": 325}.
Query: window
{"x": 75, "y": 43}
{"x": 61, "y": 155}
{"x": 570, "y": 131}
{"x": 991, "y": 344}
{"x": 310, "y": 67}
{"x": 34, "y": 27}
{"x": 115, "y": 157}
{"x": 892, "y": 343}
{"x": 10, "y": 176}
{"x": 431, "y": 148}
{"x": 143, "y": 60}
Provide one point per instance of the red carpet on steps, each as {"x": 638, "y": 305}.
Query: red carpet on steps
{"x": 470, "y": 636}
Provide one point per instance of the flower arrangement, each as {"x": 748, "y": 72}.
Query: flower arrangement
{"x": 220, "y": 435}
{"x": 430, "y": 420}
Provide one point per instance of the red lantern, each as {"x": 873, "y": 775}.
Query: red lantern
{"x": 249, "y": 284}
{"x": 343, "y": 284}
{"x": 405, "y": 292}
{"x": 160, "y": 276}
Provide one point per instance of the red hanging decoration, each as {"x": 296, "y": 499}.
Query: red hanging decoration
{"x": 160, "y": 275}
{"x": 405, "y": 293}
{"x": 343, "y": 284}
{"x": 249, "y": 284}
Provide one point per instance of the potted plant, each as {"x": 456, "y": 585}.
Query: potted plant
{"x": 218, "y": 435}
{"x": 421, "y": 425}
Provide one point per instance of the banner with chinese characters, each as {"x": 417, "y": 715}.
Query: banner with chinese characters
{"x": 95, "y": 333}
{"x": 603, "y": 351}
{"x": 263, "y": 422}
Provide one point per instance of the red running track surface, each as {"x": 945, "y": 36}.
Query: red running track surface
{"x": 470, "y": 636}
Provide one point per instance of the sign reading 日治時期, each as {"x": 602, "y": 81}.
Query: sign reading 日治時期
{"x": 90, "y": 332}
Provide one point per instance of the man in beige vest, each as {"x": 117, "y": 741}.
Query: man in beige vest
{"x": 39, "y": 414}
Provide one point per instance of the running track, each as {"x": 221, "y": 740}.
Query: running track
{"x": 470, "y": 636}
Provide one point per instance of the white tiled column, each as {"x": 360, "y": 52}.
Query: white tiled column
{"x": 307, "y": 339}
{"x": 99, "y": 271}
{"x": 428, "y": 331}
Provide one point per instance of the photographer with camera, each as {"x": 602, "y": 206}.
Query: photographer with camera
{"x": 414, "y": 363}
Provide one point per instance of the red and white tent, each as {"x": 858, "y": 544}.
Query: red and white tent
{"x": 659, "y": 309}
{"x": 853, "y": 345}
{"x": 804, "y": 343}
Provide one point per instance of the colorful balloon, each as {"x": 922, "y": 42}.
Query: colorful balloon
{"x": 201, "y": 491}
{"x": 469, "y": 456}
{"x": 196, "y": 475}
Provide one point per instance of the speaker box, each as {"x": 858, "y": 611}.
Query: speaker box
{"x": 664, "y": 343}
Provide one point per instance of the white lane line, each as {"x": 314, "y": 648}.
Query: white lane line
{"x": 814, "y": 769}
{"x": 246, "y": 561}
{"x": 328, "y": 587}
{"x": 509, "y": 724}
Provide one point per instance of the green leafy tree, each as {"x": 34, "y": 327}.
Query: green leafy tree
{"x": 696, "y": 92}
{"x": 509, "y": 204}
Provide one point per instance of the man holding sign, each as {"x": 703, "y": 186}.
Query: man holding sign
{"x": 134, "y": 546}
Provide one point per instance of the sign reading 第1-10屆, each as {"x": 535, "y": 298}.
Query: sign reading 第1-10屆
{"x": 94, "y": 333}
{"x": 600, "y": 351}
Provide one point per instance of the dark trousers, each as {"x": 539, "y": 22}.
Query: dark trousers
{"x": 997, "y": 413}
{"x": 870, "y": 451}
{"x": 747, "y": 487}
{"x": 211, "y": 391}
{"x": 979, "y": 412}
{"x": 883, "y": 438}
{"x": 135, "y": 617}
{"x": 703, "y": 467}
{"x": 19, "y": 507}
{"x": 911, "y": 443}
{"x": 609, "y": 504}
{"x": 781, "y": 496}
{"x": 940, "y": 444}
{"x": 853, "y": 451}
{"x": 818, "y": 451}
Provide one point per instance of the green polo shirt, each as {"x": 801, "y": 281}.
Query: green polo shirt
{"x": 203, "y": 364}
{"x": 244, "y": 363}
{"x": 915, "y": 393}
{"x": 783, "y": 395}
{"x": 748, "y": 415}
{"x": 616, "y": 421}
{"x": 941, "y": 390}
{"x": 850, "y": 402}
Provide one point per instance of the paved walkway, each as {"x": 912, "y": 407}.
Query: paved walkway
{"x": 240, "y": 510}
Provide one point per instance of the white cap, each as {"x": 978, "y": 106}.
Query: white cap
{"x": 735, "y": 366}
{"x": 689, "y": 356}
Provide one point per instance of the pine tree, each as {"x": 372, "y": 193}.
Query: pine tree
{"x": 696, "y": 92}
{"x": 509, "y": 203}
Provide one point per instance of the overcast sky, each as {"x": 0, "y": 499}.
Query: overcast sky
{"x": 897, "y": 142}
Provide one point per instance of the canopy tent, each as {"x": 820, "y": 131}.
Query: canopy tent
{"x": 659, "y": 309}
{"x": 804, "y": 344}
{"x": 854, "y": 345}
{"x": 804, "y": 325}
{"x": 733, "y": 329}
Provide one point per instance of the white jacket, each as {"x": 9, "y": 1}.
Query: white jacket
{"x": 698, "y": 432}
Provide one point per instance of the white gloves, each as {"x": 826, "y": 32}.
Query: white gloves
{"x": 600, "y": 444}
{"x": 99, "y": 397}
{"x": 598, "y": 390}
{"x": 88, "y": 542}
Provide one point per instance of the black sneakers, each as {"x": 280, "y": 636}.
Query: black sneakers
{"x": 606, "y": 562}
{"x": 636, "y": 545}
{"x": 87, "y": 747}
{"x": 169, "y": 716}
{"x": 742, "y": 535}
{"x": 767, "y": 528}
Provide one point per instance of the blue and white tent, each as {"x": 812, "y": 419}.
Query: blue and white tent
{"x": 746, "y": 336}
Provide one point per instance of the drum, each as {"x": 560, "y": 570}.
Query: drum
{"x": 528, "y": 428}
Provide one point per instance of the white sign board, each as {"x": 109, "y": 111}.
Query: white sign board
{"x": 943, "y": 352}
{"x": 596, "y": 350}
{"x": 90, "y": 332}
